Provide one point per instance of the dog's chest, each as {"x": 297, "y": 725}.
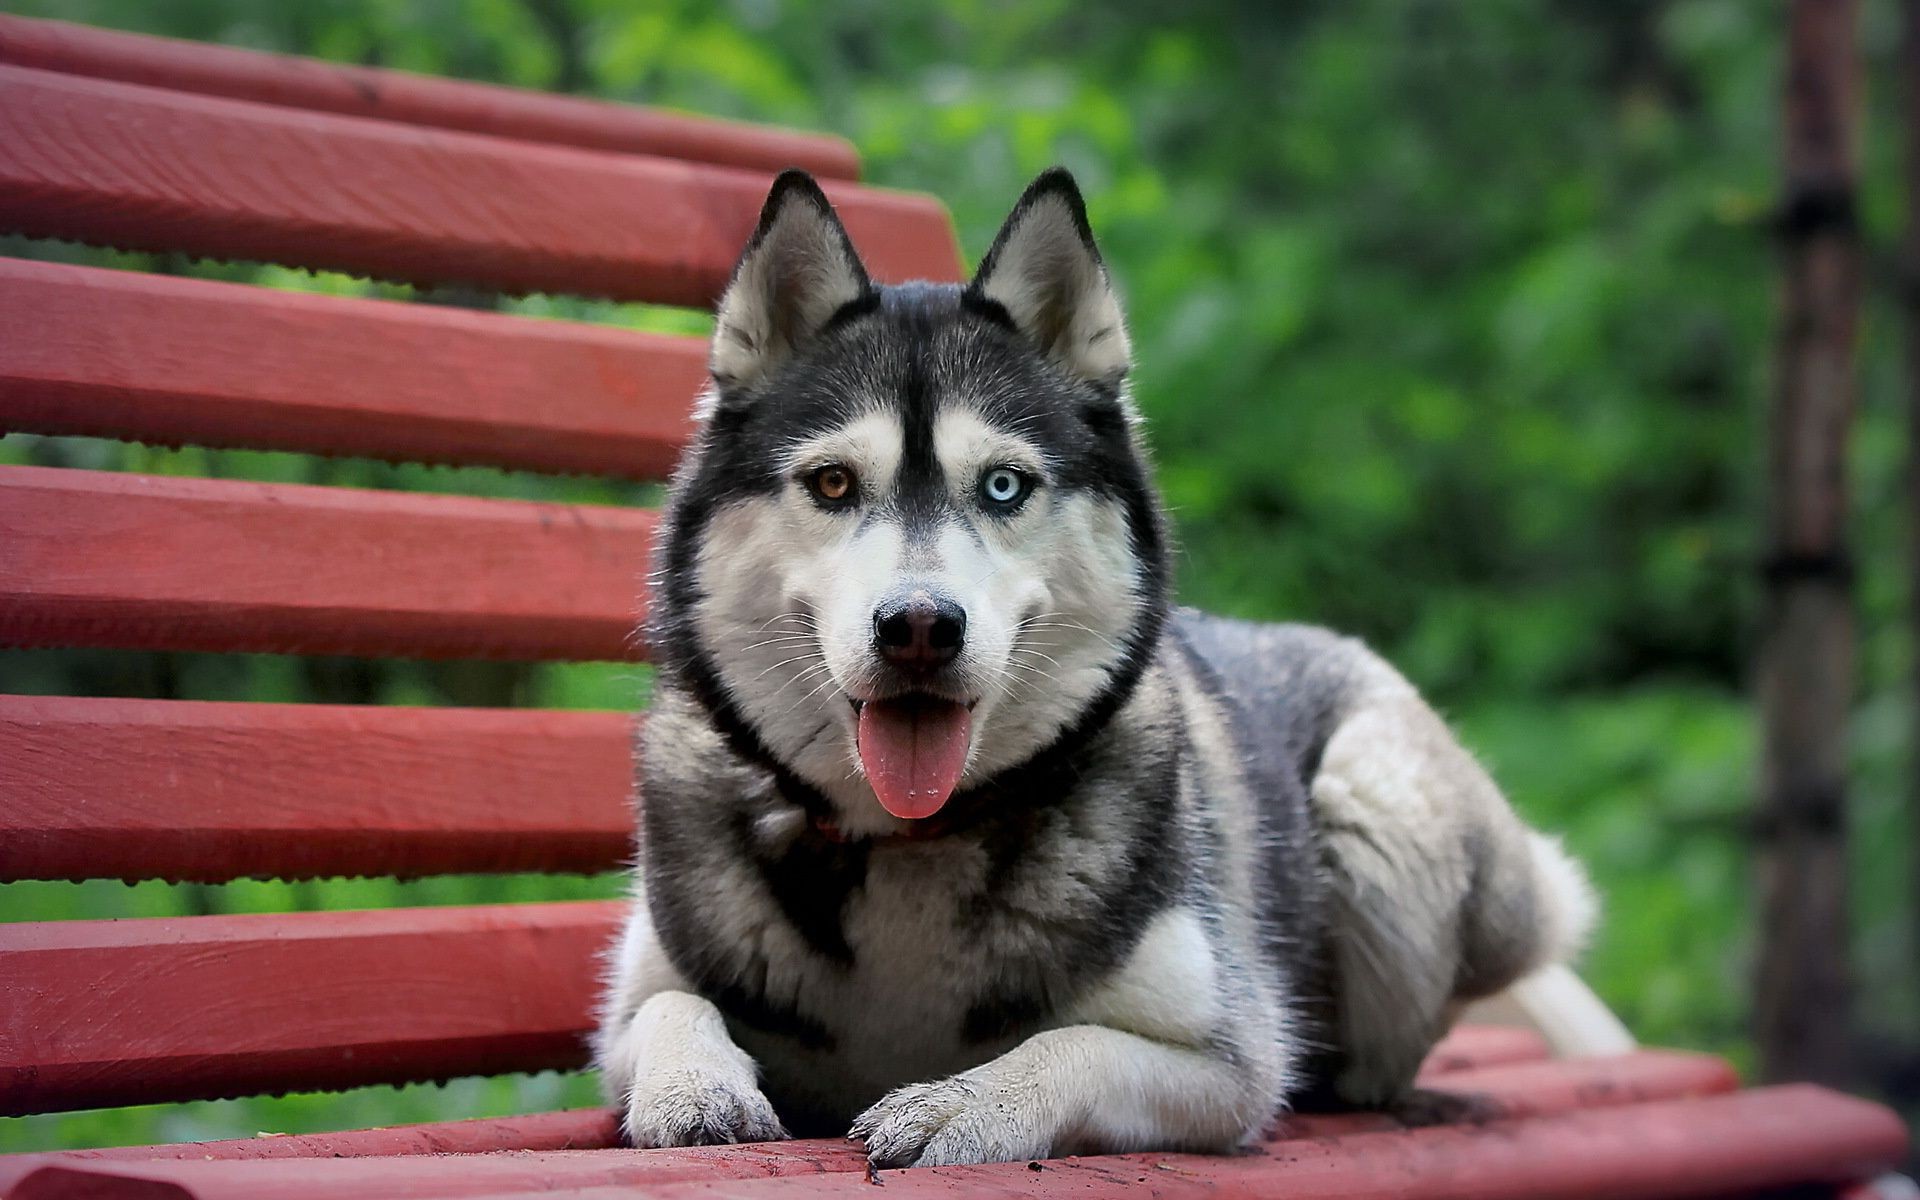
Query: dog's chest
{"x": 898, "y": 1011}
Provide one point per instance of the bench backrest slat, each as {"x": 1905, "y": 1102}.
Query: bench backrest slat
{"x": 104, "y": 788}
{"x": 188, "y": 361}
{"x": 146, "y": 169}
{"x": 145, "y": 562}
{"x": 279, "y": 1002}
{"x": 144, "y": 144}
{"x": 415, "y": 99}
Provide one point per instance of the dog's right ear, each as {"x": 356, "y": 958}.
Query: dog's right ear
{"x": 798, "y": 270}
{"x": 1045, "y": 277}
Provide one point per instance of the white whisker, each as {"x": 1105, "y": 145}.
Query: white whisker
{"x": 785, "y": 662}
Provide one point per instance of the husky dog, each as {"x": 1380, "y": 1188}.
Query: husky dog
{"x": 954, "y": 830}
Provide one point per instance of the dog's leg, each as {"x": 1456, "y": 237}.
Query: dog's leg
{"x": 1438, "y": 893}
{"x": 1083, "y": 1088}
{"x": 666, "y": 1059}
{"x": 1176, "y": 1061}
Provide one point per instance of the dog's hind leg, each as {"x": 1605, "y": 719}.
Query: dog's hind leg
{"x": 1438, "y": 894}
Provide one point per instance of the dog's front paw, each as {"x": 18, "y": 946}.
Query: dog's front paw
{"x": 698, "y": 1108}
{"x": 948, "y": 1122}
{"x": 680, "y": 1079}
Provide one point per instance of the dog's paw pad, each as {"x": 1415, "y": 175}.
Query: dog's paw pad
{"x": 945, "y": 1123}
{"x": 687, "y": 1109}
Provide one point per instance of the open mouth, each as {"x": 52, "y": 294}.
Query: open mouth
{"x": 913, "y": 749}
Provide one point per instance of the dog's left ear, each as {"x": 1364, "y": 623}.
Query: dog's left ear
{"x": 1045, "y": 273}
{"x": 798, "y": 270}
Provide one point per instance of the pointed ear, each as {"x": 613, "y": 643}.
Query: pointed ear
{"x": 1045, "y": 272}
{"x": 798, "y": 270}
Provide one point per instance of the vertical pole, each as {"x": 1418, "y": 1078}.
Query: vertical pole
{"x": 1910, "y": 294}
{"x": 1806, "y": 652}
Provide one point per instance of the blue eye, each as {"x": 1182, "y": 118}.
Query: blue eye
{"x": 1004, "y": 487}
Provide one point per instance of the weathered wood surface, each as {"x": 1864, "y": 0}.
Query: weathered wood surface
{"x": 1712, "y": 1146}
{"x": 184, "y": 361}
{"x": 1535, "y": 1088}
{"x": 148, "y": 169}
{"x": 135, "y": 1011}
{"x": 1538, "y": 1088}
{"x": 96, "y": 788}
{"x": 358, "y": 91}
{"x": 99, "y": 559}
{"x": 569, "y": 1129}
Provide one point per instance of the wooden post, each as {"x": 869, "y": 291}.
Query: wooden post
{"x": 1806, "y": 652}
{"x": 1910, "y": 279}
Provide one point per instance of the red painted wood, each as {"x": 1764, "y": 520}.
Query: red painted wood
{"x": 1693, "y": 1147}
{"x": 148, "y": 169}
{"x": 1719, "y": 1146}
{"x": 180, "y": 790}
{"x": 1472, "y": 1046}
{"x": 415, "y": 99}
{"x": 198, "y": 564}
{"x": 571, "y": 1129}
{"x": 151, "y": 359}
{"x": 1642, "y": 1076}
{"x": 122, "y": 1012}
{"x": 1532, "y": 1089}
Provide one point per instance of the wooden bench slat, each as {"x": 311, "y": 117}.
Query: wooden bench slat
{"x": 1534, "y": 1090}
{"x": 148, "y": 169}
{"x": 149, "y": 358}
{"x": 1514, "y": 1085}
{"x": 568, "y": 1129}
{"x": 415, "y": 99}
{"x": 1471, "y": 1047}
{"x": 1713, "y": 1146}
{"x": 183, "y": 790}
{"x": 128, "y": 1012}
{"x": 1717, "y": 1146}
{"x": 1526, "y": 1090}
{"x": 138, "y": 561}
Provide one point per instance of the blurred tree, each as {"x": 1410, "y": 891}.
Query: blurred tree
{"x": 1806, "y": 651}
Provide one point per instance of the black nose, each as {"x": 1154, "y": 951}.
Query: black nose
{"x": 919, "y": 631}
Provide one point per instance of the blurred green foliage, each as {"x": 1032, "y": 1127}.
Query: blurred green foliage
{"x": 1453, "y": 326}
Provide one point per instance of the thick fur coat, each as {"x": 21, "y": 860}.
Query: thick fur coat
{"x": 957, "y": 835}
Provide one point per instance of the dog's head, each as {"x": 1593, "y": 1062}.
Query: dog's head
{"x": 915, "y": 545}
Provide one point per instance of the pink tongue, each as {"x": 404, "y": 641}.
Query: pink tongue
{"x": 913, "y": 752}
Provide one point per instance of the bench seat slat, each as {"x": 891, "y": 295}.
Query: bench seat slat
{"x": 185, "y": 790}
{"x": 1709, "y": 1146}
{"x": 153, "y": 359}
{"x": 138, "y": 561}
{"x": 128, "y": 1012}
{"x": 1526, "y": 1090}
{"x": 149, "y": 169}
{"x": 567, "y": 1129}
{"x": 415, "y": 99}
{"x": 1716, "y": 1146}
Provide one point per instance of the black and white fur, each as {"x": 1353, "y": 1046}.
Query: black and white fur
{"x": 1196, "y": 868}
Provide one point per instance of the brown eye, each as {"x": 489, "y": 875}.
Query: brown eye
{"x": 832, "y": 484}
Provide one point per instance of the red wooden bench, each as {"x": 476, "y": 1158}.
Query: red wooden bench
{"x": 151, "y": 144}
